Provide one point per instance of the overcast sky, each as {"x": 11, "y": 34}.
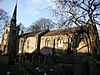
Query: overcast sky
{"x": 28, "y": 10}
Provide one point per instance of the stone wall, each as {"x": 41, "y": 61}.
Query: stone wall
{"x": 27, "y": 44}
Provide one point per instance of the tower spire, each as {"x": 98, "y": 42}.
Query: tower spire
{"x": 14, "y": 16}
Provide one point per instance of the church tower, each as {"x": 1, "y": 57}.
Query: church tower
{"x": 10, "y": 37}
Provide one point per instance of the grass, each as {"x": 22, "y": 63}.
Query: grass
{"x": 3, "y": 59}
{"x": 17, "y": 69}
{"x": 27, "y": 69}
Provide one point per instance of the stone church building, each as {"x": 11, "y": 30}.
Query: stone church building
{"x": 57, "y": 39}
{"x": 44, "y": 40}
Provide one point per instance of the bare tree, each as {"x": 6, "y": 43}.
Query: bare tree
{"x": 78, "y": 13}
{"x": 42, "y": 24}
{"x": 3, "y": 19}
{"x": 3, "y": 15}
{"x": 24, "y": 29}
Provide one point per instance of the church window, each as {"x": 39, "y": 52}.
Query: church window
{"x": 60, "y": 42}
{"x": 4, "y": 47}
{"x": 47, "y": 43}
{"x": 21, "y": 42}
{"x": 13, "y": 31}
{"x": 6, "y": 31}
{"x": 81, "y": 36}
{"x": 27, "y": 44}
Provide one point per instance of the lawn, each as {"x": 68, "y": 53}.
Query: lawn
{"x": 17, "y": 69}
{"x": 27, "y": 68}
{"x": 62, "y": 68}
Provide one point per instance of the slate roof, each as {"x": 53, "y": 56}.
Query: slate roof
{"x": 30, "y": 34}
{"x": 60, "y": 32}
{"x": 52, "y": 33}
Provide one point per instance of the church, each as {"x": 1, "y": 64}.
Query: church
{"x": 45, "y": 41}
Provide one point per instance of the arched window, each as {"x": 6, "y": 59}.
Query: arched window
{"x": 60, "y": 42}
{"x": 4, "y": 49}
{"x": 47, "y": 43}
{"x": 14, "y": 31}
{"x": 21, "y": 42}
{"x": 81, "y": 36}
{"x": 6, "y": 31}
{"x": 27, "y": 44}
